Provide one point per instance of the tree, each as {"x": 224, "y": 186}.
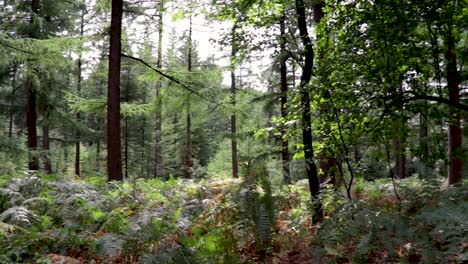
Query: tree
{"x": 285, "y": 156}
{"x": 31, "y": 115}
{"x": 311, "y": 168}
{"x": 114, "y": 156}
{"x": 158, "y": 157}
{"x": 234, "y": 44}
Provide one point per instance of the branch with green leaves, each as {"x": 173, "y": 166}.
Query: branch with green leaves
{"x": 171, "y": 78}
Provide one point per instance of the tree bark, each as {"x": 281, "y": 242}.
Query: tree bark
{"x": 114, "y": 151}
{"x": 399, "y": 148}
{"x": 423, "y": 138}
{"x": 285, "y": 156}
{"x": 31, "y": 114}
{"x": 455, "y": 136}
{"x": 46, "y": 147}
{"x": 31, "y": 123}
{"x": 78, "y": 90}
{"x": 12, "y": 96}
{"x": 158, "y": 159}
{"x": 235, "y": 166}
{"x": 311, "y": 168}
{"x": 188, "y": 153}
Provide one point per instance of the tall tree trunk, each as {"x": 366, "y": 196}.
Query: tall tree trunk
{"x": 143, "y": 144}
{"x": 78, "y": 90}
{"x": 455, "y": 137}
{"x": 46, "y": 148}
{"x": 31, "y": 114}
{"x": 235, "y": 166}
{"x": 188, "y": 153}
{"x": 285, "y": 156}
{"x": 159, "y": 165}
{"x": 311, "y": 168}
{"x": 126, "y": 130}
{"x": 114, "y": 151}
{"x": 31, "y": 123}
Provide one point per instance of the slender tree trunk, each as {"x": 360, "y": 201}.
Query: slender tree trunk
{"x": 65, "y": 156}
{"x": 78, "y": 90}
{"x": 285, "y": 156}
{"x": 455, "y": 137}
{"x": 235, "y": 166}
{"x": 126, "y": 130}
{"x": 12, "y": 96}
{"x": 31, "y": 123}
{"x": 423, "y": 137}
{"x": 114, "y": 151}
{"x": 188, "y": 154}
{"x": 143, "y": 144}
{"x": 98, "y": 155}
{"x": 126, "y": 147}
{"x": 159, "y": 165}
{"x": 46, "y": 147}
{"x": 311, "y": 168}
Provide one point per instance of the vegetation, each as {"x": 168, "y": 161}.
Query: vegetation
{"x": 235, "y": 131}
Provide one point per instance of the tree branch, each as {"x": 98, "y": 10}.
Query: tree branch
{"x": 438, "y": 99}
{"x": 169, "y": 77}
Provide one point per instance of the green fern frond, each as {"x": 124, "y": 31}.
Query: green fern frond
{"x": 110, "y": 245}
{"x": 19, "y": 215}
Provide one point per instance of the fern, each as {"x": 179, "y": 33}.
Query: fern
{"x": 19, "y": 215}
{"x": 110, "y": 245}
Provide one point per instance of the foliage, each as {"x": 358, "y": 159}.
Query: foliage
{"x": 426, "y": 227}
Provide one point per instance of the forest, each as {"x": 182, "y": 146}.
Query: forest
{"x": 233, "y": 131}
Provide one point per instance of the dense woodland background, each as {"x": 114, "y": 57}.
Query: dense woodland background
{"x": 303, "y": 131}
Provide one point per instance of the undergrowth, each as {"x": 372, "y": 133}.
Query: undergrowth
{"x": 68, "y": 220}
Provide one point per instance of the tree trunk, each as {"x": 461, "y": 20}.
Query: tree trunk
{"x": 188, "y": 153}
{"x": 31, "y": 114}
{"x": 31, "y": 123}
{"x": 455, "y": 137}
{"x": 46, "y": 148}
{"x": 12, "y": 96}
{"x": 65, "y": 156}
{"x": 235, "y": 166}
{"x": 78, "y": 90}
{"x": 114, "y": 151}
{"x": 126, "y": 130}
{"x": 285, "y": 156}
{"x": 159, "y": 165}
{"x": 423, "y": 138}
{"x": 311, "y": 168}
{"x": 399, "y": 148}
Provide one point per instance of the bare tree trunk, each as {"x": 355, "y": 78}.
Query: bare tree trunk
{"x": 126, "y": 130}
{"x": 311, "y": 168}
{"x": 31, "y": 114}
{"x": 114, "y": 151}
{"x": 46, "y": 147}
{"x": 235, "y": 166}
{"x": 12, "y": 95}
{"x": 31, "y": 123}
{"x": 188, "y": 154}
{"x": 423, "y": 137}
{"x": 159, "y": 165}
{"x": 285, "y": 156}
{"x": 455, "y": 136}
{"x": 78, "y": 90}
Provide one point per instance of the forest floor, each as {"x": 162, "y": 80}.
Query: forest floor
{"x": 51, "y": 219}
